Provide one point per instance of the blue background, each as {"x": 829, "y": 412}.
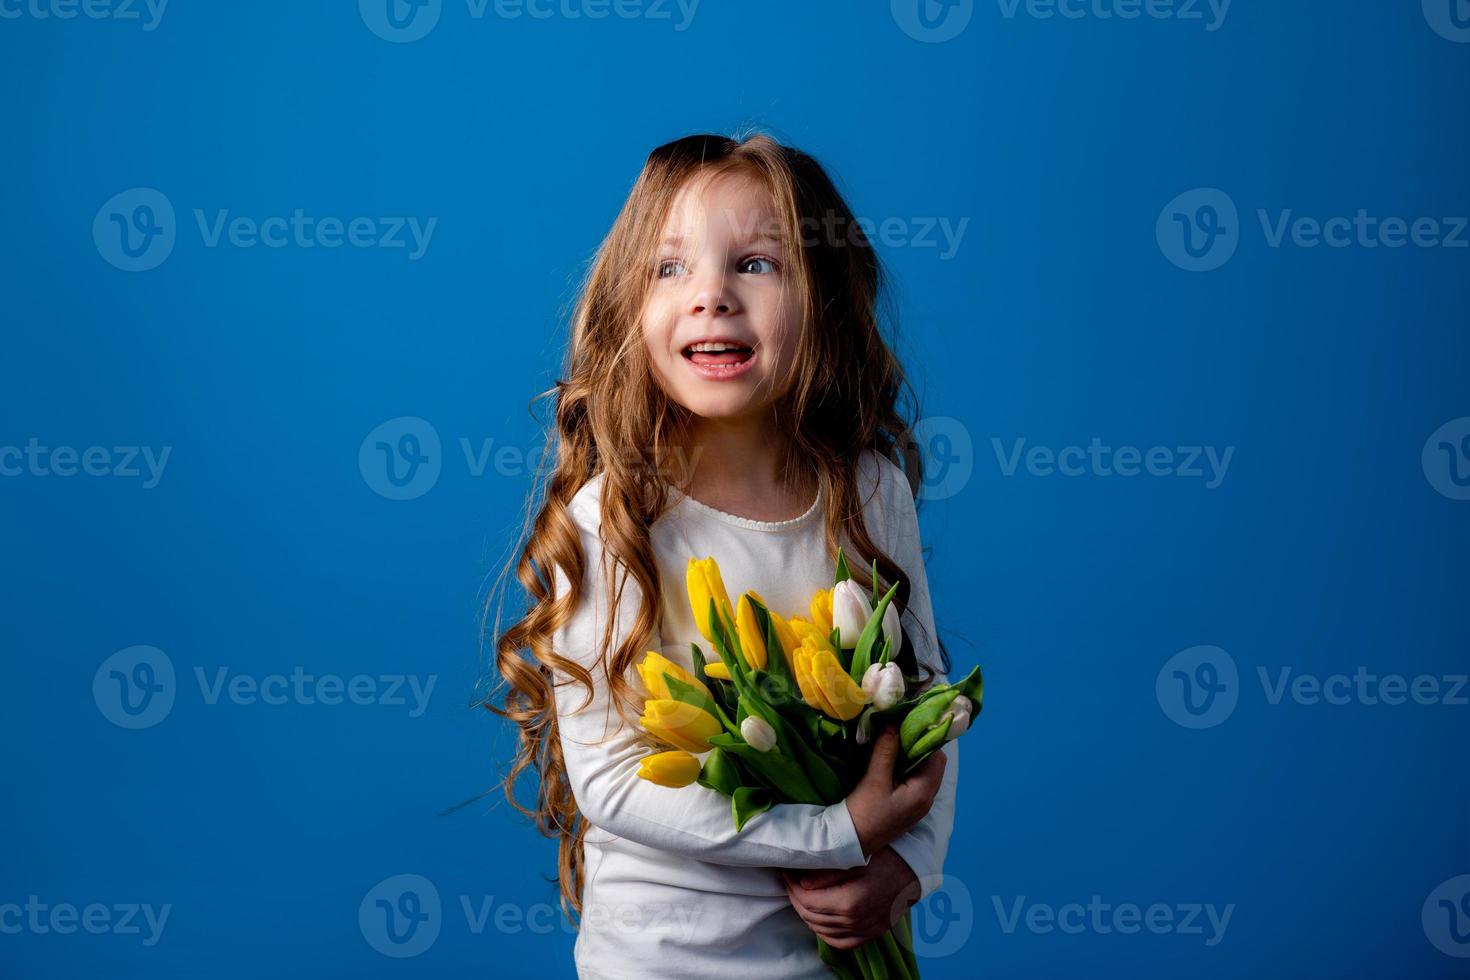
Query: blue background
{"x": 266, "y": 547}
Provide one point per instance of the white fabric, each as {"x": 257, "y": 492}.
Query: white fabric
{"x": 671, "y": 889}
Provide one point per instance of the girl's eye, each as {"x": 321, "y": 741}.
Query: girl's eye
{"x": 670, "y": 267}
{"x": 760, "y": 265}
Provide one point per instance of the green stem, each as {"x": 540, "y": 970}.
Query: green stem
{"x": 870, "y": 954}
{"x": 905, "y": 931}
{"x": 897, "y": 963}
{"x": 838, "y": 961}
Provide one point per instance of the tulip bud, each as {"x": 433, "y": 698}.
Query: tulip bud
{"x": 884, "y": 685}
{"x": 747, "y": 629}
{"x": 850, "y": 611}
{"x": 675, "y": 768}
{"x": 891, "y": 631}
{"x": 961, "y": 708}
{"x": 758, "y": 733}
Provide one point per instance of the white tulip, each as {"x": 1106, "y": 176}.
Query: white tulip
{"x": 961, "y": 709}
{"x": 850, "y": 611}
{"x": 758, "y": 733}
{"x": 884, "y": 685}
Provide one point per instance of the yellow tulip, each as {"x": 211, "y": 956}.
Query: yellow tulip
{"x": 845, "y": 696}
{"x": 821, "y": 610}
{"x": 703, "y": 582}
{"x": 807, "y": 631}
{"x": 752, "y": 640}
{"x": 717, "y": 668}
{"x": 675, "y": 768}
{"x": 801, "y": 657}
{"x": 654, "y": 666}
{"x": 681, "y": 725}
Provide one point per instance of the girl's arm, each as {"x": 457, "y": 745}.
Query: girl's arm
{"x": 602, "y": 755}
{"x": 923, "y": 848}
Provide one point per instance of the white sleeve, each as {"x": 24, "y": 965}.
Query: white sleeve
{"x": 602, "y": 755}
{"x": 924, "y": 847}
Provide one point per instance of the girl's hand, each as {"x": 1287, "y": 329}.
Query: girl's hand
{"x": 850, "y": 907}
{"x": 882, "y": 811}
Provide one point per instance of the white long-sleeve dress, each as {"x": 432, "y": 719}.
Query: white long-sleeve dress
{"x": 671, "y": 889}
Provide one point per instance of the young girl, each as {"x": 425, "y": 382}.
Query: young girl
{"x": 766, "y": 456}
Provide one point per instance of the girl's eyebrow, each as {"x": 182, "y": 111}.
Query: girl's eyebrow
{"x": 760, "y": 240}
{"x": 676, "y": 241}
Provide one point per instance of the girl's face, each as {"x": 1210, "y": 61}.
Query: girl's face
{"x": 721, "y": 275}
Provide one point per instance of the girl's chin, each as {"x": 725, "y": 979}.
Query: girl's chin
{"x": 715, "y": 409}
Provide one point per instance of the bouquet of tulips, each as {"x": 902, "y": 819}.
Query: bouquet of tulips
{"x": 787, "y": 712}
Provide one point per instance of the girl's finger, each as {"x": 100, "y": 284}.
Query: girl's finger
{"x": 834, "y": 898}
{"x": 826, "y": 877}
{"x": 824, "y": 920}
{"x": 814, "y": 913}
{"x": 862, "y": 923}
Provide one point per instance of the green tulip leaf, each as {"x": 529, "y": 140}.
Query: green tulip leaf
{"x": 843, "y": 574}
{"x": 747, "y": 801}
{"x": 697, "y": 656}
{"x": 720, "y": 773}
{"x": 772, "y": 768}
{"x": 687, "y": 693}
{"x": 862, "y": 654}
{"x": 776, "y": 661}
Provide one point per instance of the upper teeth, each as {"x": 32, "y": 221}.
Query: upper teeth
{"x": 714, "y": 347}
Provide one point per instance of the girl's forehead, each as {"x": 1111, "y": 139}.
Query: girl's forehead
{"x": 729, "y": 203}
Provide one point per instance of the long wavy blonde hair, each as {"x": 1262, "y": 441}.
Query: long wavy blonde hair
{"x": 612, "y": 417}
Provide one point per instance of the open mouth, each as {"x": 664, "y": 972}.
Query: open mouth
{"x": 731, "y": 354}
{"x": 719, "y": 361}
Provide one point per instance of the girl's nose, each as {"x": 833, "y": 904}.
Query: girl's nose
{"x": 711, "y": 297}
